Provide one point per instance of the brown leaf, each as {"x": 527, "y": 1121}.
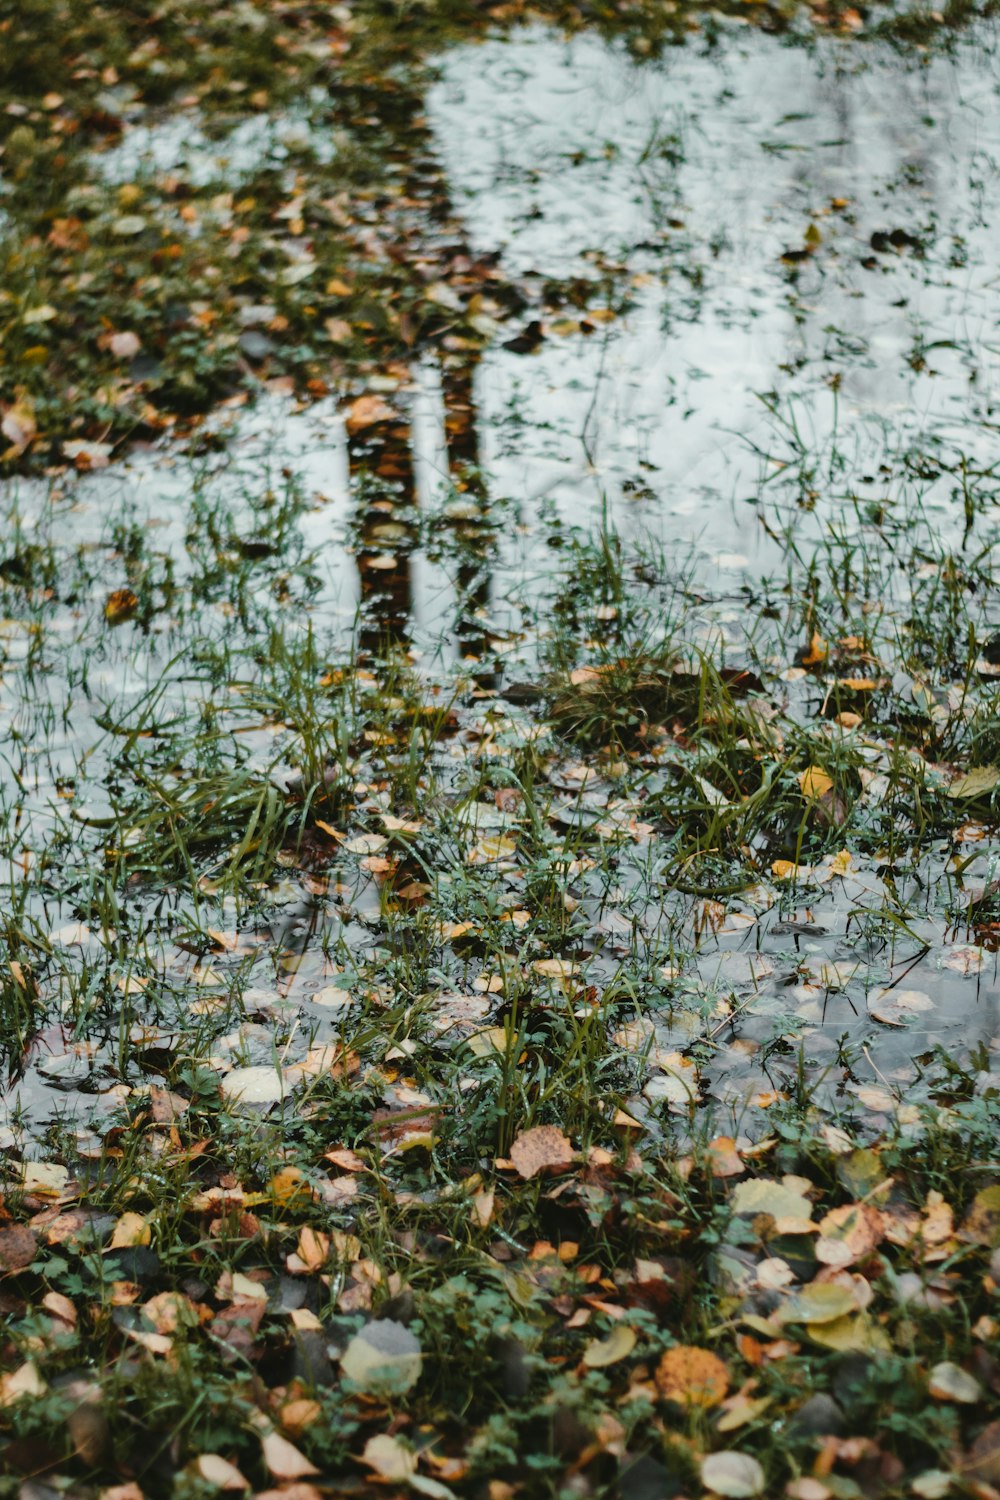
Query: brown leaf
{"x": 119, "y": 605}
{"x": 543, "y": 1149}
{"x": 692, "y": 1376}
{"x": 365, "y": 412}
{"x": 849, "y": 1233}
{"x": 17, "y": 1248}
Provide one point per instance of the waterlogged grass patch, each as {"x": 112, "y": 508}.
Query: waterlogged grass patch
{"x": 487, "y": 1004}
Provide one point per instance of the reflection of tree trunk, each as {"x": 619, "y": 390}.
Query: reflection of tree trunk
{"x": 380, "y": 458}
{"x": 382, "y": 469}
{"x": 461, "y": 430}
{"x": 428, "y": 234}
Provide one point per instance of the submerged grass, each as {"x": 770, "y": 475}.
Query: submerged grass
{"x": 565, "y": 1067}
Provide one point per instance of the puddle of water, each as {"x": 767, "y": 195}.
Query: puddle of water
{"x": 699, "y": 173}
{"x": 815, "y": 227}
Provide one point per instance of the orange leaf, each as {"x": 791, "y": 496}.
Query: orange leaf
{"x": 692, "y": 1376}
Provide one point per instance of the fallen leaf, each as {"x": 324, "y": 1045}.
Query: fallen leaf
{"x": 124, "y": 345}
{"x": 19, "y": 426}
{"x": 283, "y": 1459}
{"x": 543, "y": 1149}
{"x": 219, "y": 1472}
{"x": 18, "y": 1245}
{"x": 732, "y": 1474}
{"x": 44, "y": 1179}
{"x": 365, "y": 412}
{"x": 848, "y": 1233}
{"x": 257, "y": 1085}
{"x": 120, "y": 605}
{"x": 820, "y": 1302}
{"x": 976, "y": 783}
{"x": 949, "y": 1382}
{"x": 815, "y": 783}
{"x": 390, "y": 1458}
{"x": 617, "y": 1346}
{"x": 691, "y": 1376}
{"x": 383, "y": 1357}
{"x": 761, "y": 1195}
{"x": 131, "y": 1229}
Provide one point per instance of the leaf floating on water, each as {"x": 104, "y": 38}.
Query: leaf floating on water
{"x": 898, "y": 1007}
{"x": 543, "y": 1149}
{"x": 120, "y": 605}
{"x": 258, "y": 1085}
{"x": 976, "y": 783}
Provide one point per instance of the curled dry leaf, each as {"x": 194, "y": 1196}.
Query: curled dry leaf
{"x": 692, "y": 1376}
{"x": 543, "y": 1149}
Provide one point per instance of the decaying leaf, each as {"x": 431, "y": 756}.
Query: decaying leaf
{"x": 762, "y": 1195}
{"x": 543, "y": 1149}
{"x": 257, "y": 1085}
{"x": 18, "y": 1245}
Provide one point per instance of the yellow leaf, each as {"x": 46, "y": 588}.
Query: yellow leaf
{"x": 131, "y": 1229}
{"x": 818, "y": 651}
{"x": 617, "y": 1346}
{"x": 692, "y": 1377}
{"x": 815, "y": 783}
{"x": 288, "y": 1184}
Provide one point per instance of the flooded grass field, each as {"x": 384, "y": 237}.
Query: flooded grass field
{"x": 499, "y": 672}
